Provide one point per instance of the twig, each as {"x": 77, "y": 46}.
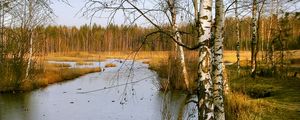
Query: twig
{"x": 115, "y": 85}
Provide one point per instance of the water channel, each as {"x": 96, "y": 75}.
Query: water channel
{"x": 126, "y": 92}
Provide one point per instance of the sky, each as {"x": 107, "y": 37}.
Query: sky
{"x": 70, "y": 15}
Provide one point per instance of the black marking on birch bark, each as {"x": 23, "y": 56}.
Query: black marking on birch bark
{"x": 204, "y": 17}
{"x": 208, "y": 8}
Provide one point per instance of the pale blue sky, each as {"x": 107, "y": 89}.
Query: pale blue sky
{"x": 67, "y": 15}
{"x": 70, "y": 15}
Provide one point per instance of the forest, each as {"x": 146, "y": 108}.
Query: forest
{"x": 214, "y": 60}
{"x": 95, "y": 38}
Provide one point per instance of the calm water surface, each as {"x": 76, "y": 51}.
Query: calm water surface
{"x": 98, "y": 96}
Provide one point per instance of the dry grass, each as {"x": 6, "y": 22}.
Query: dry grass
{"x": 262, "y": 98}
{"x": 278, "y": 97}
{"x": 51, "y": 65}
{"x": 74, "y": 56}
{"x": 53, "y": 74}
{"x": 110, "y": 65}
{"x": 229, "y": 56}
{"x": 170, "y": 73}
{"x": 240, "y": 107}
{"x": 83, "y": 63}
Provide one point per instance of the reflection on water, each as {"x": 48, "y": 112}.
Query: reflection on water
{"x": 176, "y": 105}
{"x": 12, "y": 106}
{"x": 139, "y": 100}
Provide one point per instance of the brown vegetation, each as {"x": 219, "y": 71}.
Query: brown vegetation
{"x": 83, "y": 63}
{"x": 110, "y": 65}
{"x": 58, "y": 65}
{"x": 53, "y": 73}
{"x": 261, "y": 98}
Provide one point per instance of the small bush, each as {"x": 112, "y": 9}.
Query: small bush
{"x": 259, "y": 91}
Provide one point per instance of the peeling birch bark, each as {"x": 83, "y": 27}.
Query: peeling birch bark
{"x": 218, "y": 63}
{"x": 205, "y": 96}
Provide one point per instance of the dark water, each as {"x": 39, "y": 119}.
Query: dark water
{"x": 99, "y": 96}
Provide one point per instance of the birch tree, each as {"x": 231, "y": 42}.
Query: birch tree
{"x": 218, "y": 62}
{"x": 254, "y": 38}
{"x": 177, "y": 36}
{"x": 205, "y": 86}
{"x": 30, "y": 19}
{"x": 237, "y": 30}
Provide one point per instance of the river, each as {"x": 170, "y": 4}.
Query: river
{"x": 126, "y": 92}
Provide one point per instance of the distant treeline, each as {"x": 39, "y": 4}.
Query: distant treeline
{"x": 96, "y": 38}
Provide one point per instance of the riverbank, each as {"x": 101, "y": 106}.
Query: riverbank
{"x": 51, "y": 73}
{"x": 265, "y": 97}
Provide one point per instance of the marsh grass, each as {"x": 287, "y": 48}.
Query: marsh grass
{"x": 83, "y": 63}
{"x": 53, "y": 75}
{"x": 58, "y": 65}
{"x": 100, "y": 56}
{"x": 265, "y": 97}
{"x": 110, "y": 65}
{"x": 48, "y": 74}
{"x": 278, "y": 97}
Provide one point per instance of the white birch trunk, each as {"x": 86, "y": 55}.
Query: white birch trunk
{"x": 237, "y": 30}
{"x": 182, "y": 60}
{"x": 179, "y": 49}
{"x": 205, "y": 96}
{"x": 30, "y": 39}
{"x": 30, "y": 56}
{"x": 218, "y": 63}
{"x": 254, "y": 38}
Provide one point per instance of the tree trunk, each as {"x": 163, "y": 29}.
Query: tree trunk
{"x": 30, "y": 39}
{"x": 218, "y": 63}
{"x": 205, "y": 96}
{"x": 254, "y": 39}
{"x": 182, "y": 60}
{"x": 237, "y": 30}
{"x": 179, "y": 49}
{"x": 2, "y": 33}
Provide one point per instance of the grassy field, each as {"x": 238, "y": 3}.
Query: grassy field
{"x": 263, "y": 97}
